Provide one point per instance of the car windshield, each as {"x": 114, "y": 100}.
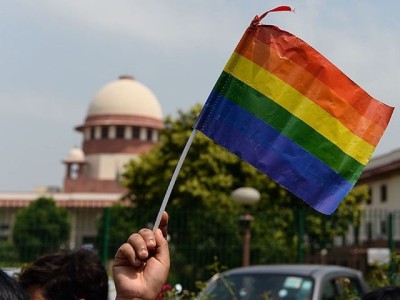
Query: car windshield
{"x": 261, "y": 286}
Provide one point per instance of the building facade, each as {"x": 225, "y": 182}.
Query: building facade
{"x": 122, "y": 121}
{"x": 379, "y": 231}
{"x": 382, "y": 175}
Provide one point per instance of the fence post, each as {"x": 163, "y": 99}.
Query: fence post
{"x": 300, "y": 233}
{"x": 106, "y": 235}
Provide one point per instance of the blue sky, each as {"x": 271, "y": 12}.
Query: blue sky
{"x": 55, "y": 55}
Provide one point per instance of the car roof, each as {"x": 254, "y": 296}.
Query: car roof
{"x": 293, "y": 269}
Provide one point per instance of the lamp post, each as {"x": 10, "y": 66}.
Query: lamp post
{"x": 246, "y": 196}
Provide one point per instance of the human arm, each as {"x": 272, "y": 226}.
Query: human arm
{"x": 142, "y": 264}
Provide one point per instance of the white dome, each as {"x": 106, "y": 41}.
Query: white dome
{"x": 125, "y": 96}
{"x": 75, "y": 155}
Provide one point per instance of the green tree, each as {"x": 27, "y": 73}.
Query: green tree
{"x": 204, "y": 220}
{"x": 8, "y": 254}
{"x": 39, "y": 228}
{"x": 122, "y": 222}
{"x": 321, "y": 229}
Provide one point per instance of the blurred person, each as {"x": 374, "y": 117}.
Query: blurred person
{"x": 141, "y": 265}
{"x": 140, "y": 270}
{"x": 385, "y": 293}
{"x": 66, "y": 275}
{"x": 10, "y": 289}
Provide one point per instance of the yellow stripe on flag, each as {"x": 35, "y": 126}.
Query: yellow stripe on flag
{"x": 297, "y": 104}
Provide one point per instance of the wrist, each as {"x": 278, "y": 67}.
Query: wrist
{"x": 134, "y": 298}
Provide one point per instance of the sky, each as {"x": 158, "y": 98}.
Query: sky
{"x": 56, "y": 55}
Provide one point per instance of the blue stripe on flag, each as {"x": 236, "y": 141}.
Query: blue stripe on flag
{"x": 272, "y": 153}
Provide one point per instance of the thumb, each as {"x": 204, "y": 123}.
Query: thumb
{"x": 157, "y": 267}
{"x": 162, "y": 249}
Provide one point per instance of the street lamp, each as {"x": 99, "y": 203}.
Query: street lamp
{"x": 246, "y": 196}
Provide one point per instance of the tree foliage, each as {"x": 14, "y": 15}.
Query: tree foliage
{"x": 121, "y": 223}
{"x": 39, "y": 228}
{"x": 322, "y": 229}
{"x": 204, "y": 219}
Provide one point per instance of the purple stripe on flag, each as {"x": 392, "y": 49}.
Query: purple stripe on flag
{"x": 272, "y": 153}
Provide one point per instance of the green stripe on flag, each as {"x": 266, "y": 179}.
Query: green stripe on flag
{"x": 289, "y": 125}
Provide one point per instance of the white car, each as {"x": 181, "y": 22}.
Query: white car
{"x": 286, "y": 282}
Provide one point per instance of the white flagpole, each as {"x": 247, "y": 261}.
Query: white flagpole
{"x": 173, "y": 179}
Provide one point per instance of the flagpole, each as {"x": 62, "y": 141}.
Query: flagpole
{"x": 173, "y": 179}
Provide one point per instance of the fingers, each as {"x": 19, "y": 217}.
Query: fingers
{"x": 136, "y": 249}
{"x": 140, "y": 246}
{"x": 126, "y": 256}
{"x": 142, "y": 242}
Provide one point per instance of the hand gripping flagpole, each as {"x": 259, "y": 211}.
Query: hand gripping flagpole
{"x": 173, "y": 179}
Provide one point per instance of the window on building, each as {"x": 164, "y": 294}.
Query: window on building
{"x": 369, "y": 231}
{"x": 92, "y": 135}
{"x": 149, "y": 134}
{"x": 74, "y": 171}
{"x": 120, "y": 132}
{"x": 369, "y": 200}
{"x": 4, "y": 231}
{"x": 383, "y": 193}
{"x": 104, "y": 132}
{"x": 135, "y": 132}
{"x": 4, "y": 227}
{"x": 383, "y": 227}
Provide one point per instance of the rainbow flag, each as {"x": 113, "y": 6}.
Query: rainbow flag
{"x": 285, "y": 109}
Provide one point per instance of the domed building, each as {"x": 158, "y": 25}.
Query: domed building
{"x": 122, "y": 121}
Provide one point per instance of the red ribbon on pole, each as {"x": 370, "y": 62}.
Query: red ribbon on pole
{"x": 257, "y": 19}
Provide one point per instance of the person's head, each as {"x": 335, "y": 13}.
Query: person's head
{"x": 385, "y": 293}
{"x": 10, "y": 288}
{"x": 66, "y": 275}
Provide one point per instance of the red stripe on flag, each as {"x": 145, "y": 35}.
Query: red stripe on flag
{"x": 310, "y": 60}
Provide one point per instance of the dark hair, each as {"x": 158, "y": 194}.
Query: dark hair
{"x": 385, "y": 293}
{"x": 68, "y": 275}
{"x": 10, "y": 288}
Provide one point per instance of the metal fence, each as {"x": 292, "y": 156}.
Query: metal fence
{"x": 197, "y": 257}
